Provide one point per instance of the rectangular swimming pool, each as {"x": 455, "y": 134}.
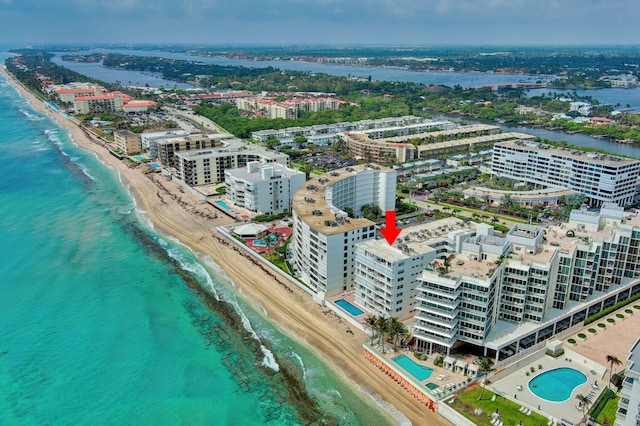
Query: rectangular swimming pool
{"x": 347, "y": 306}
{"x": 418, "y": 371}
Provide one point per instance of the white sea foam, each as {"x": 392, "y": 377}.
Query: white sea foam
{"x": 30, "y": 116}
{"x": 388, "y": 408}
{"x": 269, "y": 359}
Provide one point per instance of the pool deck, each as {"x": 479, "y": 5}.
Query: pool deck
{"x": 508, "y": 386}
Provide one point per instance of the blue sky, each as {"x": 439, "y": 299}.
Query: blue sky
{"x": 406, "y": 22}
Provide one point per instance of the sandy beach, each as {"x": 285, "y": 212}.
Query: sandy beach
{"x": 176, "y": 212}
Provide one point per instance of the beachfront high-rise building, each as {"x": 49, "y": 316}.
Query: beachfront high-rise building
{"x": 601, "y": 178}
{"x": 263, "y": 188}
{"x": 206, "y": 166}
{"x": 386, "y": 277}
{"x": 509, "y": 294}
{"x": 628, "y": 413}
{"x": 169, "y": 147}
{"x": 324, "y": 234}
{"x": 148, "y": 140}
{"x": 127, "y": 142}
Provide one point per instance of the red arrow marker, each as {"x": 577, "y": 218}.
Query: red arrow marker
{"x": 391, "y": 232}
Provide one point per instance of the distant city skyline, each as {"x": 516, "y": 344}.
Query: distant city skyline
{"x": 353, "y": 22}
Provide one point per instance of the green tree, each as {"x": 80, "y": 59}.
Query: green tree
{"x": 486, "y": 367}
{"x": 612, "y": 360}
{"x": 273, "y": 143}
{"x": 372, "y": 323}
{"x": 584, "y": 402}
{"x": 383, "y": 324}
{"x": 397, "y": 330}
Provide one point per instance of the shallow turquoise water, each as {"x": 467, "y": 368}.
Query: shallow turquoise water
{"x": 558, "y": 384}
{"x": 418, "y": 371}
{"x": 102, "y": 321}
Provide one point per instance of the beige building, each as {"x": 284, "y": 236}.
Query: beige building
{"x": 167, "y": 148}
{"x": 127, "y": 142}
{"x": 98, "y": 104}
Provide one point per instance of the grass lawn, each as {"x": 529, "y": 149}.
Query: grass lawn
{"x": 608, "y": 413}
{"x": 467, "y": 401}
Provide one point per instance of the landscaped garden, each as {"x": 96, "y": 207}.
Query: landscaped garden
{"x": 466, "y": 403}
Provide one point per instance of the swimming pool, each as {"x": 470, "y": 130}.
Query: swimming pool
{"x": 418, "y": 371}
{"x": 223, "y": 205}
{"x": 262, "y": 243}
{"x": 347, "y": 306}
{"x": 557, "y": 385}
{"x": 154, "y": 165}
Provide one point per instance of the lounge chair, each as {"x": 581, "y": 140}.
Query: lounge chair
{"x": 494, "y": 421}
{"x": 522, "y": 409}
{"x": 549, "y": 422}
{"x": 528, "y": 413}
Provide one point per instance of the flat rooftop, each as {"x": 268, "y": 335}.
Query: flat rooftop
{"x": 243, "y": 173}
{"x": 473, "y": 140}
{"x": 424, "y": 237}
{"x": 229, "y": 146}
{"x": 549, "y": 150}
{"x": 310, "y": 204}
{"x": 560, "y": 235}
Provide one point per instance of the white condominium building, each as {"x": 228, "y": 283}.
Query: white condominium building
{"x": 207, "y": 166}
{"x": 507, "y": 295}
{"x": 148, "y": 140}
{"x": 324, "y": 236}
{"x": 629, "y": 405}
{"x": 386, "y": 277}
{"x": 601, "y": 178}
{"x": 263, "y": 188}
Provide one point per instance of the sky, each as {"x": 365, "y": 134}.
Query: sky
{"x": 326, "y": 22}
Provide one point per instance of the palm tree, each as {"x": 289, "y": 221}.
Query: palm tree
{"x": 383, "y": 329}
{"x": 396, "y": 329}
{"x": 612, "y": 359}
{"x": 584, "y": 402}
{"x": 372, "y": 322}
{"x": 486, "y": 367}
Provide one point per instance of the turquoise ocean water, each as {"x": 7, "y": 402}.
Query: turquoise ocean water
{"x": 102, "y": 321}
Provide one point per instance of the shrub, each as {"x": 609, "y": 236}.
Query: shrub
{"x": 592, "y": 330}
{"x": 571, "y": 341}
{"x": 601, "y": 325}
{"x": 539, "y": 366}
{"x": 439, "y": 361}
{"x": 527, "y": 373}
{"x": 619, "y": 316}
{"x": 628, "y": 311}
{"x": 532, "y": 369}
{"x": 611, "y": 309}
{"x": 582, "y": 335}
{"x": 611, "y": 320}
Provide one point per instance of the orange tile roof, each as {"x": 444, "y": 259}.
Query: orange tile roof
{"x": 75, "y": 91}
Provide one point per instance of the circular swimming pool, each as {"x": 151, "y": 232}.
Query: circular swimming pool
{"x": 557, "y": 385}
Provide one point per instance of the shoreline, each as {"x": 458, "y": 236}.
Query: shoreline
{"x": 177, "y": 213}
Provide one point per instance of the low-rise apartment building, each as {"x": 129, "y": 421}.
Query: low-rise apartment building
{"x": 169, "y": 147}
{"x": 206, "y": 166}
{"x": 601, "y": 178}
{"x": 127, "y": 142}
{"x": 148, "y": 140}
